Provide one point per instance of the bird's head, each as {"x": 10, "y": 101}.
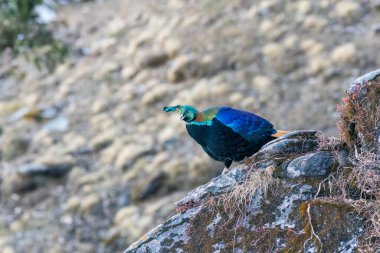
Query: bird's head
{"x": 188, "y": 113}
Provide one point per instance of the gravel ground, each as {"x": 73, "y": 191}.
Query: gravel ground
{"x": 89, "y": 162}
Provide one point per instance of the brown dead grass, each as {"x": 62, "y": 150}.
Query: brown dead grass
{"x": 258, "y": 181}
{"x": 360, "y": 115}
{"x": 359, "y": 186}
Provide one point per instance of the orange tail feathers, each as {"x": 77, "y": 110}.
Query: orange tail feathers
{"x": 280, "y": 133}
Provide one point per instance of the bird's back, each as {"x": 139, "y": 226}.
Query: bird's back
{"x": 230, "y": 134}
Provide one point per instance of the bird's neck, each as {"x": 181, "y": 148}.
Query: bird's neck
{"x": 199, "y": 117}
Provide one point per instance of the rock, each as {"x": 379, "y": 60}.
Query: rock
{"x": 215, "y": 187}
{"x": 7, "y": 108}
{"x": 16, "y": 226}
{"x": 73, "y": 203}
{"x": 274, "y": 51}
{"x": 92, "y": 178}
{"x": 172, "y": 47}
{"x": 304, "y": 7}
{"x": 128, "y": 72}
{"x": 102, "y": 45}
{"x": 315, "y": 23}
{"x": 317, "y": 65}
{"x": 107, "y": 69}
{"x": 111, "y": 236}
{"x": 89, "y": 202}
{"x": 183, "y": 67}
{"x": 14, "y": 145}
{"x": 155, "y": 94}
{"x": 312, "y": 47}
{"x": 8, "y": 249}
{"x": 152, "y": 60}
{"x": 130, "y": 154}
{"x": 188, "y": 66}
{"x": 198, "y": 228}
{"x": 103, "y": 140}
{"x": 262, "y": 83}
{"x": 19, "y": 185}
{"x": 132, "y": 221}
{"x": 344, "y": 54}
{"x": 116, "y": 26}
{"x": 347, "y": 10}
{"x": 148, "y": 186}
{"x": 299, "y": 142}
{"x": 311, "y": 165}
{"x": 358, "y": 124}
{"x": 54, "y": 170}
{"x": 60, "y": 124}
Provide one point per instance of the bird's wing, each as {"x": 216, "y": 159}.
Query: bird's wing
{"x": 248, "y": 125}
{"x": 210, "y": 113}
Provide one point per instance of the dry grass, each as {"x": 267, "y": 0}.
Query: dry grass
{"x": 360, "y": 115}
{"x": 258, "y": 181}
{"x": 359, "y": 186}
{"x": 328, "y": 143}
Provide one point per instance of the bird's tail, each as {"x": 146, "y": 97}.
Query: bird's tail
{"x": 280, "y": 133}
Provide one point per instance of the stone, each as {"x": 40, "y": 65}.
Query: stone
{"x": 262, "y": 83}
{"x": 130, "y": 154}
{"x": 157, "y": 93}
{"x": 88, "y": 203}
{"x": 116, "y": 26}
{"x": 73, "y": 203}
{"x": 273, "y": 51}
{"x": 152, "y": 60}
{"x": 172, "y": 46}
{"x": 312, "y": 47}
{"x": 347, "y": 10}
{"x": 277, "y": 151}
{"x": 8, "y": 249}
{"x": 358, "y": 125}
{"x": 311, "y": 165}
{"x": 128, "y": 72}
{"x": 103, "y": 140}
{"x": 317, "y": 65}
{"x": 60, "y": 124}
{"x": 13, "y": 145}
{"x": 102, "y": 45}
{"x": 54, "y": 170}
{"x": 304, "y": 7}
{"x": 148, "y": 186}
{"x": 198, "y": 228}
{"x": 111, "y": 236}
{"x": 315, "y": 23}
{"x": 183, "y": 67}
{"x": 215, "y": 187}
{"x": 8, "y": 108}
{"x": 344, "y": 54}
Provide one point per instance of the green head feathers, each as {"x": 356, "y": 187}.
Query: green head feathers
{"x": 188, "y": 113}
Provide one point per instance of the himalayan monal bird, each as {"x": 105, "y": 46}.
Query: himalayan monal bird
{"x": 227, "y": 134}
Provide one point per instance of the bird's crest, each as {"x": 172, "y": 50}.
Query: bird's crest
{"x": 172, "y": 108}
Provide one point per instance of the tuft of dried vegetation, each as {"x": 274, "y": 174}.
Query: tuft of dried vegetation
{"x": 329, "y": 143}
{"x": 360, "y": 115}
{"x": 257, "y": 181}
{"x": 359, "y": 186}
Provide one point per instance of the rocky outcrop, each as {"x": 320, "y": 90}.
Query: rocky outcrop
{"x": 282, "y": 199}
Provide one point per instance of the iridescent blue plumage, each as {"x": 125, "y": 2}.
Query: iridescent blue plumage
{"x": 227, "y": 134}
{"x": 250, "y": 126}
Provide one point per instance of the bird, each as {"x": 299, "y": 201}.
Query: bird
{"x": 227, "y": 134}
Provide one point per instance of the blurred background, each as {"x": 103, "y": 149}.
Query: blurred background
{"x": 90, "y": 162}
